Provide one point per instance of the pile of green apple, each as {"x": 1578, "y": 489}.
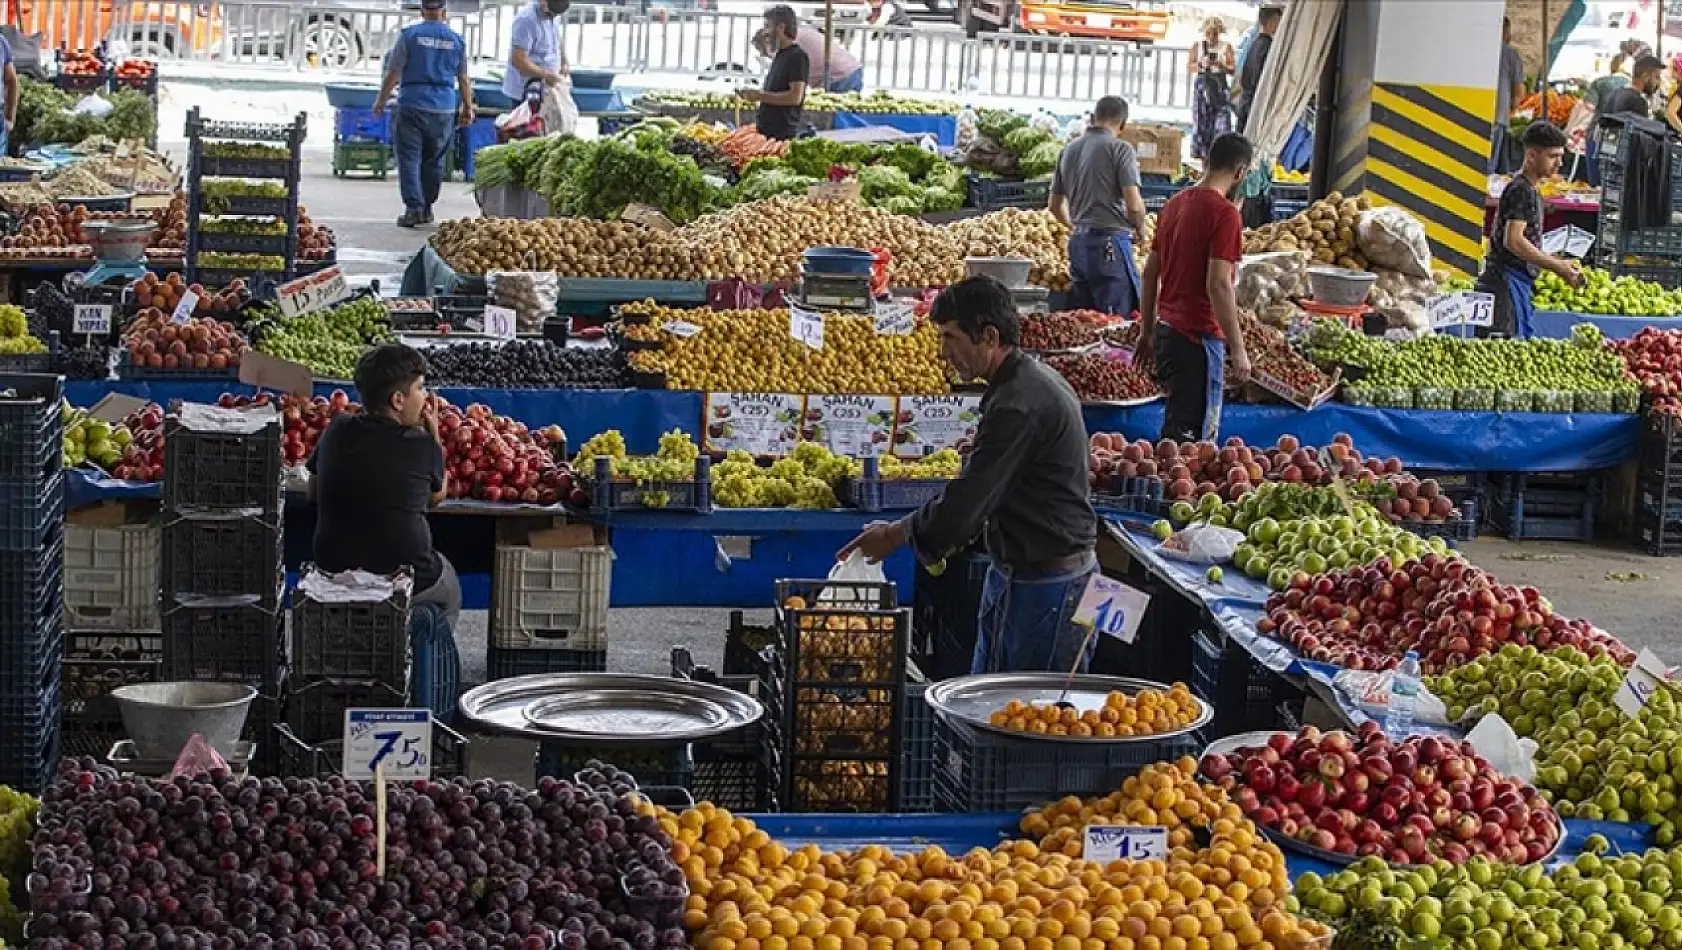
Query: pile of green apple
{"x": 1593, "y": 761}
{"x": 1452, "y": 363}
{"x": 87, "y": 439}
{"x": 1602, "y": 293}
{"x": 1593, "y": 903}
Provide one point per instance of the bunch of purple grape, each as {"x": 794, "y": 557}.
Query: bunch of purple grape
{"x": 218, "y": 863}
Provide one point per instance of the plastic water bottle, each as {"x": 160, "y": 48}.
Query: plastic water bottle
{"x": 1404, "y": 693}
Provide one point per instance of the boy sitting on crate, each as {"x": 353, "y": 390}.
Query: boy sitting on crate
{"x": 375, "y": 474}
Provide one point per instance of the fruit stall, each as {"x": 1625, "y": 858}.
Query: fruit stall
{"x": 937, "y": 119}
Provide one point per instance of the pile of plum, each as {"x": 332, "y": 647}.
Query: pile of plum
{"x": 218, "y": 863}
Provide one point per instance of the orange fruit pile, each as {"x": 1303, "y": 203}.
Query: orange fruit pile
{"x": 1148, "y": 712}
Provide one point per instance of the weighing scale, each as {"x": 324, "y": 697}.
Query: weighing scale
{"x": 119, "y": 249}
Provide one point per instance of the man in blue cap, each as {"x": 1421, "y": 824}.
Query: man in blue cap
{"x": 428, "y": 71}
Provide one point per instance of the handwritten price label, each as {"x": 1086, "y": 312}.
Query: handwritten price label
{"x": 92, "y": 318}
{"x": 681, "y": 328}
{"x": 1106, "y": 843}
{"x": 895, "y": 319}
{"x": 1460, "y": 309}
{"x": 323, "y": 288}
{"x": 1645, "y": 678}
{"x": 399, "y": 741}
{"x": 1112, "y": 607}
{"x": 184, "y": 309}
{"x": 806, "y": 326}
{"x": 499, "y": 322}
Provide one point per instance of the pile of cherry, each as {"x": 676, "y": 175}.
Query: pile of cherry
{"x": 292, "y": 864}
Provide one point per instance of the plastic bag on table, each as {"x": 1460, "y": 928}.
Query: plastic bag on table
{"x": 1202, "y": 544}
{"x": 532, "y": 295}
{"x": 198, "y": 757}
{"x": 854, "y": 570}
{"x": 734, "y": 294}
{"x": 1370, "y": 690}
{"x": 1494, "y": 739}
{"x": 1393, "y": 239}
{"x": 559, "y": 112}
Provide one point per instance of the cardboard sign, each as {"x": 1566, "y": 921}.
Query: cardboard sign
{"x": 1461, "y": 309}
{"x": 806, "y": 326}
{"x": 1112, "y": 607}
{"x": 184, "y": 309}
{"x": 849, "y": 190}
{"x": 1645, "y": 678}
{"x": 895, "y": 319}
{"x": 763, "y": 424}
{"x": 323, "y": 288}
{"x": 115, "y": 407}
{"x": 272, "y": 372}
{"x": 648, "y": 216}
{"x": 858, "y": 426}
{"x": 1570, "y": 241}
{"x": 397, "y": 742}
{"x": 499, "y": 322}
{"x": 927, "y": 424}
{"x": 91, "y": 318}
{"x": 1106, "y": 843}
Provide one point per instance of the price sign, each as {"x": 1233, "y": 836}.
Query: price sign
{"x": 1645, "y": 678}
{"x": 1462, "y": 308}
{"x": 806, "y": 326}
{"x": 895, "y": 319}
{"x": 858, "y": 426}
{"x": 1570, "y": 241}
{"x": 499, "y": 322}
{"x": 1106, "y": 843}
{"x": 397, "y": 740}
{"x": 927, "y": 424}
{"x": 1112, "y": 607}
{"x": 184, "y": 309}
{"x": 681, "y": 328}
{"x": 758, "y": 423}
{"x": 323, "y": 288}
{"x": 92, "y": 318}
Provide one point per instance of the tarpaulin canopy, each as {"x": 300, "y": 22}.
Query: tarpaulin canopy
{"x": 1292, "y": 74}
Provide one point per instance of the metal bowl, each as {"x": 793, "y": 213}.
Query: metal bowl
{"x": 1340, "y": 286}
{"x": 971, "y": 699}
{"x": 161, "y": 717}
{"x": 1011, "y": 271}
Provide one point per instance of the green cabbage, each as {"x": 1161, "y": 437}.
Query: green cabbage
{"x": 1041, "y": 160}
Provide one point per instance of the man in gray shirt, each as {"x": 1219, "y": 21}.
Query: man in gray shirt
{"x": 1509, "y": 88}
{"x": 1095, "y": 191}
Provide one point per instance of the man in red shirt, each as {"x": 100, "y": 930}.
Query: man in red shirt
{"x": 1188, "y": 280}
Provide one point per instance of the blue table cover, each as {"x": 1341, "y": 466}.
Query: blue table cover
{"x": 1459, "y": 441}
{"x": 1557, "y": 324}
{"x": 944, "y": 128}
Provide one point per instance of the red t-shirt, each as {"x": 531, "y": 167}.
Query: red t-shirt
{"x": 1196, "y": 226}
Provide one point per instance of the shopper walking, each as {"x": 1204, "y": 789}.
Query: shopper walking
{"x": 1509, "y": 88}
{"x": 1024, "y": 486}
{"x": 1188, "y": 318}
{"x": 782, "y": 96}
{"x": 1515, "y": 246}
{"x": 1095, "y": 191}
{"x": 1255, "y": 60}
{"x": 534, "y": 54}
{"x": 427, "y": 69}
{"x": 1211, "y": 62}
{"x": 1636, "y": 96}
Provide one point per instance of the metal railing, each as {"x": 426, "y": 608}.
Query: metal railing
{"x": 340, "y": 38}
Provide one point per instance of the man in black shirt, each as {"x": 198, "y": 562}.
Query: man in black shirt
{"x": 375, "y": 474}
{"x": 1644, "y": 81}
{"x": 1024, "y": 485}
{"x": 1249, "y": 77}
{"x": 784, "y": 90}
{"x": 1515, "y": 246}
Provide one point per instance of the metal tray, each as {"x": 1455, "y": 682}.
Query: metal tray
{"x": 971, "y": 699}
{"x": 125, "y": 758}
{"x": 609, "y": 709}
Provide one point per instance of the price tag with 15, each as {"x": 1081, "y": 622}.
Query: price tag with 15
{"x": 1106, "y": 843}
{"x": 307, "y": 294}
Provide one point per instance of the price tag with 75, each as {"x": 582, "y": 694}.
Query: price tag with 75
{"x": 398, "y": 739}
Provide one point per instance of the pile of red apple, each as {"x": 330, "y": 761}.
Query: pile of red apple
{"x": 1097, "y": 377}
{"x": 143, "y": 458}
{"x": 1446, "y": 610}
{"x": 1654, "y": 358}
{"x": 1408, "y": 803}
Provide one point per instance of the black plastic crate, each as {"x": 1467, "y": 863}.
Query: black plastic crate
{"x": 607, "y": 494}
{"x": 1510, "y": 521}
{"x": 221, "y": 554}
{"x": 146, "y": 85}
{"x": 1245, "y": 694}
{"x": 97, "y": 663}
{"x": 223, "y": 641}
{"x": 975, "y": 771}
{"x": 501, "y": 663}
{"x": 352, "y": 640}
{"x": 1464, "y": 528}
{"x": 31, "y": 589}
{"x": 867, "y": 785}
{"x": 316, "y": 711}
{"x": 841, "y": 632}
{"x": 654, "y": 766}
{"x": 916, "y": 778}
{"x": 1658, "y": 531}
{"x": 247, "y": 205}
{"x": 1459, "y": 487}
{"x": 743, "y": 643}
{"x": 83, "y": 83}
{"x": 31, "y": 511}
{"x": 34, "y": 659}
{"x": 731, "y": 780}
{"x": 31, "y": 431}
{"x": 300, "y": 759}
{"x": 93, "y": 739}
{"x": 745, "y": 741}
{"x": 993, "y": 194}
{"x": 1663, "y": 242}
{"x": 244, "y": 243}
{"x": 1668, "y": 276}
{"x": 948, "y": 607}
{"x": 208, "y": 469}
{"x": 29, "y": 758}
{"x": 218, "y": 166}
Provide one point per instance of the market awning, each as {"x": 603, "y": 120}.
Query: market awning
{"x": 1291, "y": 75}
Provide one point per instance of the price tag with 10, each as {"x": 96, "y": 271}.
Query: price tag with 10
{"x": 1645, "y": 678}
{"x": 499, "y": 322}
{"x": 399, "y": 740}
{"x": 1112, "y": 608}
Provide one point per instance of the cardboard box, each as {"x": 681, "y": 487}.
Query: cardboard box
{"x": 1159, "y": 148}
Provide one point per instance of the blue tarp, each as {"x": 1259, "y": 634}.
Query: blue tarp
{"x": 944, "y": 128}
{"x": 1463, "y": 441}
{"x": 1557, "y": 324}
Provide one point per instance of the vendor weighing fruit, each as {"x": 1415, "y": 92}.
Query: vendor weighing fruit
{"x": 1024, "y": 485}
{"x": 375, "y": 474}
{"x": 1515, "y": 252}
{"x": 1095, "y": 191}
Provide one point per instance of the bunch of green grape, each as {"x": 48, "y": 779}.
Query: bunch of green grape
{"x": 610, "y": 444}
{"x": 946, "y": 463}
{"x": 326, "y": 358}
{"x": 807, "y": 477}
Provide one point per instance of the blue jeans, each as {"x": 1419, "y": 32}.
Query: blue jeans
{"x": 1027, "y": 621}
{"x": 852, "y": 82}
{"x": 1102, "y": 275}
{"x": 422, "y": 138}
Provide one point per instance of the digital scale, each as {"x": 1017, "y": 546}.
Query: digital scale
{"x": 1031, "y": 299}
{"x": 119, "y": 249}
{"x": 835, "y": 291}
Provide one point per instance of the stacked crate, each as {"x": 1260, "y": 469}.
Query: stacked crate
{"x": 548, "y": 610}
{"x": 834, "y": 694}
{"x": 1653, "y": 254}
{"x": 729, "y": 770}
{"x": 1545, "y": 506}
{"x": 1658, "y": 486}
{"x": 113, "y": 636}
{"x": 221, "y": 573}
{"x": 31, "y": 577}
{"x": 253, "y": 152}
{"x": 361, "y": 141}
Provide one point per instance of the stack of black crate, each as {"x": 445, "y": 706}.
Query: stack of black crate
{"x": 31, "y": 577}
{"x": 221, "y": 574}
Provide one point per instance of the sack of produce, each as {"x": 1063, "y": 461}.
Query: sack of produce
{"x": 1268, "y": 279}
{"x": 1431, "y": 397}
{"x": 1514, "y": 400}
{"x": 1474, "y": 400}
{"x": 1393, "y": 239}
{"x": 1593, "y": 402}
{"x": 532, "y": 295}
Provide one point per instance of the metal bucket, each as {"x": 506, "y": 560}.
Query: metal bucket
{"x": 161, "y": 717}
{"x": 1010, "y": 271}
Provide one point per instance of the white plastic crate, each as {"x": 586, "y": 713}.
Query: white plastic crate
{"x": 111, "y": 577}
{"x": 551, "y": 598}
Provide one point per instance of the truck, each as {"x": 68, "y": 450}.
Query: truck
{"x": 1143, "y": 22}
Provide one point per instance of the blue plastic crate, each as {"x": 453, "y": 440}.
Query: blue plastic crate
{"x": 470, "y": 140}
{"x": 355, "y": 124}
{"x": 993, "y": 194}
{"x": 29, "y": 758}
{"x": 31, "y": 510}
{"x": 33, "y": 661}
{"x": 606, "y": 494}
{"x": 435, "y": 676}
{"x": 870, "y": 493}
{"x": 916, "y": 774}
{"x": 31, "y": 431}
{"x": 31, "y": 587}
{"x": 343, "y": 96}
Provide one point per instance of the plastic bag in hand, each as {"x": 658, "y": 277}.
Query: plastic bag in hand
{"x": 854, "y": 570}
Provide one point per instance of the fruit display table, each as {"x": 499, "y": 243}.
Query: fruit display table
{"x": 1557, "y": 324}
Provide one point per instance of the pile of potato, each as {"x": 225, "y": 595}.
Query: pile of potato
{"x": 760, "y": 242}
{"x": 1326, "y": 231}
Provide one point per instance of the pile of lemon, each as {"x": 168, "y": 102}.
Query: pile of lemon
{"x": 1148, "y": 712}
